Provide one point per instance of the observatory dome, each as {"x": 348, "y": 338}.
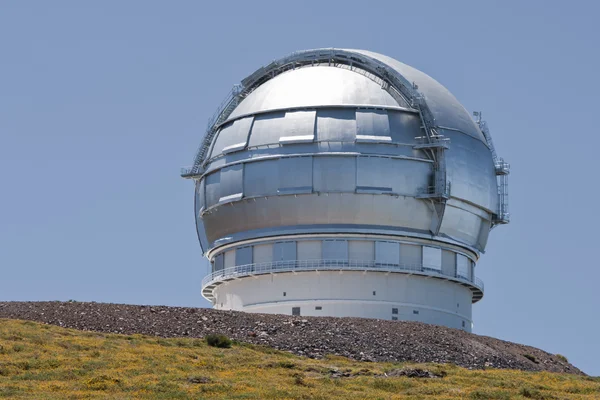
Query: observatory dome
{"x": 340, "y": 182}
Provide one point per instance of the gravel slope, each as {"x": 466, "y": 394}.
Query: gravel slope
{"x": 357, "y": 338}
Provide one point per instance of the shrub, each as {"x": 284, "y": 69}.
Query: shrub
{"x": 216, "y": 340}
{"x": 562, "y": 358}
{"x": 531, "y": 358}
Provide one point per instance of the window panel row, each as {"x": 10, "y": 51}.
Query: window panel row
{"x": 380, "y": 253}
{"x": 324, "y": 124}
{"x": 296, "y": 175}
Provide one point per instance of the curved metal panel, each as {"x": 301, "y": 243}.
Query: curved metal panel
{"x": 470, "y": 169}
{"x": 445, "y": 108}
{"x": 295, "y": 175}
{"x": 336, "y": 124}
{"x": 372, "y": 124}
{"x": 199, "y": 206}
{"x": 334, "y": 174}
{"x": 461, "y": 225}
{"x": 261, "y": 178}
{"x": 404, "y": 127}
{"x": 212, "y": 190}
{"x": 381, "y": 175}
{"x": 232, "y": 137}
{"x": 231, "y": 183}
{"x": 267, "y": 129}
{"x": 277, "y": 212}
{"x": 310, "y": 86}
{"x": 298, "y": 127}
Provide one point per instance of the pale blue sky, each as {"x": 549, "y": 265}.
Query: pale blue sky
{"x": 102, "y": 102}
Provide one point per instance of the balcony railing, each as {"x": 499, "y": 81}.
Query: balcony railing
{"x": 333, "y": 265}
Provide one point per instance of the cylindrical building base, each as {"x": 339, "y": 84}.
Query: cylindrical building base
{"x": 390, "y": 296}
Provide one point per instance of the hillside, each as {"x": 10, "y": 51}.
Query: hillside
{"x": 46, "y": 362}
{"x": 315, "y": 337}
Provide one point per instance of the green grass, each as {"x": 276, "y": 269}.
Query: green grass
{"x": 46, "y": 362}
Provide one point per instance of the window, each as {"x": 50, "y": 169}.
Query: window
{"x": 284, "y": 251}
{"x": 394, "y": 311}
{"x": 318, "y": 308}
{"x": 415, "y": 311}
{"x": 463, "y": 324}
{"x": 374, "y": 293}
{"x": 335, "y": 250}
{"x": 462, "y": 266}
{"x": 432, "y": 258}
{"x": 295, "y": 310}
{"x": 284, "y": 294}
{"x": 394, "y": 318}
{"x": 387, "y": 253}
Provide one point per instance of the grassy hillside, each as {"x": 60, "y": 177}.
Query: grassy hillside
{"x": 46, "y": 362}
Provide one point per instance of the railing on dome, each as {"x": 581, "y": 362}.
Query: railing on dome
{"x": 337, "y": 265}
{"x": 405, "y": 92}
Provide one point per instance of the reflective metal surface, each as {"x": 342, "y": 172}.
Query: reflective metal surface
{"x": 347, "y": 142}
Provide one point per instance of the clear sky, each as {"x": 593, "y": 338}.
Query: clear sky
{"x": 102, "y": 102}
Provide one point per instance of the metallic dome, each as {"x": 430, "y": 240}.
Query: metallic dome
{"x": 345, "y": 158}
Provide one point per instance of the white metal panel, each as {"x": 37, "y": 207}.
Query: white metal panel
{"x": 463, "y": 266}
{"x": 361, "y": 250}
{"x": 295, "y": 175}
{"x": 371, "y": 125}
{"x": 334, "y": 174}
{"x": 338, "y": 125}
{"x": 309, "y": 249}
{"x": 448, "y": 263}
{"x": 232, "y": 137}
{"x": 335, "y": 249}
{"x": 267, "y": 129}
{"x": 261, "y": 178}
{"x": 212, "y": 188}
{"x": 229, "y": 259}
{"x": 298, "y": 127}
{"x": 263, "y": 253}
{"x": 411, "y": 254}
{"x": 387, "y": 252}
{"x": 231, "y": 187}
{"x": 432, "y": 258}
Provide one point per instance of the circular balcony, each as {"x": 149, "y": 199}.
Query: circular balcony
{"x": 212, "y": 280}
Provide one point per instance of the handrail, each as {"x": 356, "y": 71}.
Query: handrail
{"x": 332, "y": 264}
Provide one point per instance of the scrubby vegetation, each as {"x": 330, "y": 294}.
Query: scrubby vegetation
{"x": 220, "y": 341}
{"x": 46, "y": 362}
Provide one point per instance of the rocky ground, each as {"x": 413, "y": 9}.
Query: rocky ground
{"x": 357, "y": 338}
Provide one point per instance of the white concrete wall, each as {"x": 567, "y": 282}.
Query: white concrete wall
{"x": 351, "y": 293}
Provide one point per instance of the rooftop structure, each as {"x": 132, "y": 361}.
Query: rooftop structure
{"x": 345, "y": 183}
